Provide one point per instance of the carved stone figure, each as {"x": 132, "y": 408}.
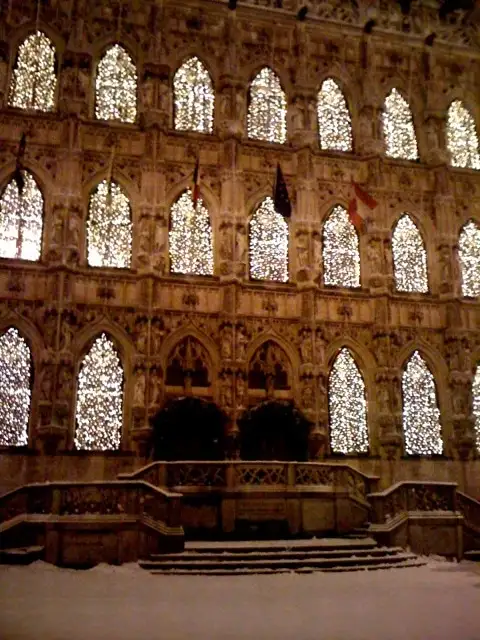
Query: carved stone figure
{"x": 139, "y": 390}
{"x": 227, "y": 343}
{"x": 241, "y": 243}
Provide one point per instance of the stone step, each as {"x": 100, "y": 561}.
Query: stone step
{"x": 21, "y": 555}
{"x": 275, "y": 546}
{"x": 473, "y": 555}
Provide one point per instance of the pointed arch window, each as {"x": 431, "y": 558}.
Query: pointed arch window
{"x": 398, "y": 128}
{"x": 15, "y": 388}
{"x": 190, "y": 237}
{"x": 476, "y": 406}
{"x": 268, "y": 240}
{"x": 334, "y": 123}
{"x": 21, "y": 219}
{"x": 116, "y": 86}
{"x": 347, "y": 406}
{"x": 409, "y": 257}
{"x": 194, "y": 97}
{"x": 462, "y": 138}
{"x": 109, "y": 227}
{"x": 469, "y": 257}
{"x": 99, "y": 408}
{"x": 341, "y": 253}
{"x": 34, "y": 79}
{"x": 267, "y": 110}
{"x": 421, "y": 416}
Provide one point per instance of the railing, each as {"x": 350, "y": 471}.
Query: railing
{"x": 470, "y": 509}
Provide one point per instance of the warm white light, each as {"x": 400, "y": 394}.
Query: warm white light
{"x": 15, "y": 372}
{"x": 409, "y": 257}
{"x": 476, "y": 406}
{"x": 194, "y": 97}
{"x": 267, "y": 111}
{"x": 334, "y": 125}
{"x": 100, "y": 398}
{"x": 341, "y": 254}
{"x": 469, "y": 257}
{"x": 347, "y": 406}
{"x": 462, "y": 139}
{"x": 109, "y": 227}
{"x": 421, "y": 416}
{"x": 33, "y": 80}
{"x": 398, "y": 129}
{"x": 116, "y": 86}
{"x": 268, "y": 244}
{"x": 21, "y": 220}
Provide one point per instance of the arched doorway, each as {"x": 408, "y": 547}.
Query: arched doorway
{"x": 189, "y": 428}
{"x": 274, "y": 430}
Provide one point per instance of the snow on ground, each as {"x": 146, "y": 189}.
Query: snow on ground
{"x": 440, "y": 601}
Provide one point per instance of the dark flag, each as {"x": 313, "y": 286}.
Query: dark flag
{"x": 196, "y": 184}
{"x": 18, "y": 175}
{"x": 281, "y": 200}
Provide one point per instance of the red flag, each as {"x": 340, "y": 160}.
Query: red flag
{"x": 196, "y": 184}
{"x": 356, "y": 218}
{"x": 356, "y": 213}
{"x": 365, "y": 197}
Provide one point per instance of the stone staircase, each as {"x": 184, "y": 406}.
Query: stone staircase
{"x": 280, "y": 556}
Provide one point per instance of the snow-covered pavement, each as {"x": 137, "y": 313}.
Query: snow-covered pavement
{"x": 440, "y": 601}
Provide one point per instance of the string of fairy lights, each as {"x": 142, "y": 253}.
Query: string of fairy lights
{"x": 267, "y": 111}
{"x": 116, "y": 86}
{"x": 268, "y": 246}
{"x": 194, "y": 97}
{"x": 462, "y": 139}
{"x": 341, "y": 252}
{"x": 469, "y": 258}
{"x": 476, "y": 405}
{"x": 334, "y": 123}
{"x": 398, "y": 128}
{"x": 409, "y": 257}
{"x": 15, "y": 394}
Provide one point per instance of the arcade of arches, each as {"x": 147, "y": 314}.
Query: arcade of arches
{"x": 145, "y": 313}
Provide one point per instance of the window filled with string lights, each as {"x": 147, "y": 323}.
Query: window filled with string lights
{"x": 15, "y": 388}
{"x": 267, "y": 109}
{"x": 462, "y": 138}
{"x": 34, "y": 79}
{"x": 109, "y": 227}
{"x": 21, "y": 218}
{"x": 116, "y": 86}
{"x": 99, "y": 398}
{"x": 398, "y": 128}
{"x": 341, "y": 253}
{"x": 421, "y": 416}
{"x": 409, "y": 257}
{"x": 268, "y": 244}
{"x": 194, "y": 97}
{"x": 347, "y": 406}
{"x": 476, "y": 406}
{"x": 334, "y": 123}
{"x": 190, "y": 237}
{"x": 469, "y": 258}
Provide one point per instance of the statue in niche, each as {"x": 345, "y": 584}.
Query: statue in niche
{"x": 225, "y": 242}
{"x": 308, "y": 397}
{"x": 306, "y": 348}
{"x": 148, "y": 92}
{"x": 226, "y": 394}
{"x": 445, "y": 265}
{"x": 242, "y": 341}
{"x": 241, "y": 242}
{"x": 139, "y": 390}
{"x": 375, "y": 256}
{"x": 302, "y": 250}
{"x": 226, "y": 343}
{"x": 320, "y": 343}
{"x": 240, "y": 388}
{"x": 74, "y": 227}
{"x": 297, "y": 115}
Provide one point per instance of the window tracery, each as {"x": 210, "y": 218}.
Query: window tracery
{"x": 21, "y": 219}
{"x": 421, "y": 416}
{"x": 476, "y": 406}
{"x": 188, "y": 364}
{"x": 194, "y": 97}
{"x": 268, "y": 244}
{"x": 469, "y": 258}
{"x": 116, "y": 86}
{"x": 34, "y": 79}
{"x": 341, "y": 252}
{"x": 267, "y": 111}
{"x": 99, "y": 411}
{"x": 190, "y": 237}
{"x": 347, "y": 406}
{"x": 15, "y": 391}
{"x": 269, "y": 368}
{"x": 409, "y": 257}
{"x": 109, "y": 227}
{"x": 462, "y": 138}
{"x": 398, "y": 128}
{"x": 334, "y": 123}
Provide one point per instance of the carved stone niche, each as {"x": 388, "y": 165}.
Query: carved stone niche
{"x": 75, "y": 78}
{"x": 464, "y": 437}
{"x": 156, "y": 96}
{"x": 389, "y": 436}
{"x": 232, "y": 107}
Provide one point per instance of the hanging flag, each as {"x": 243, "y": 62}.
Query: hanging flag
{"x": 281, "y": 200}
{"x": 18, "y": 175}
{"x": 196, "y": 184}
{"x": 359, "y": 206}
{"x": 110, "y": 176}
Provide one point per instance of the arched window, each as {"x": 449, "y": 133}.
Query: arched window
{"x": 341, "y": 254}
{"x": 347, "y": 406}
{"x": 15, "y": 379}
{"x": 34, "y": 80}
{"x": 334, "y": 124}
{"x": 421, "y": 416}
{"x": 469, "y": 257}
{"x": 462, "y": 138}
{"x": 409, "y": 257}
{"x": 476, "y": 406}
{"x": 268, "y": 244}
{"x": 194, "y": 97}
{"x": 116, "y": 86}
{"x": 398, "y": 129}
{"x": 21, "y": 219}
{"x": 190, "y": 237}
{"x": 267, "y": 111}
{"x": 109, "y": 227}
{"x": 100, "y": 398}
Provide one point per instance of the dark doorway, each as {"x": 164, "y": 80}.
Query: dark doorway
{"x": 274, "y": 430}
{"x": 189, "y": 429}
